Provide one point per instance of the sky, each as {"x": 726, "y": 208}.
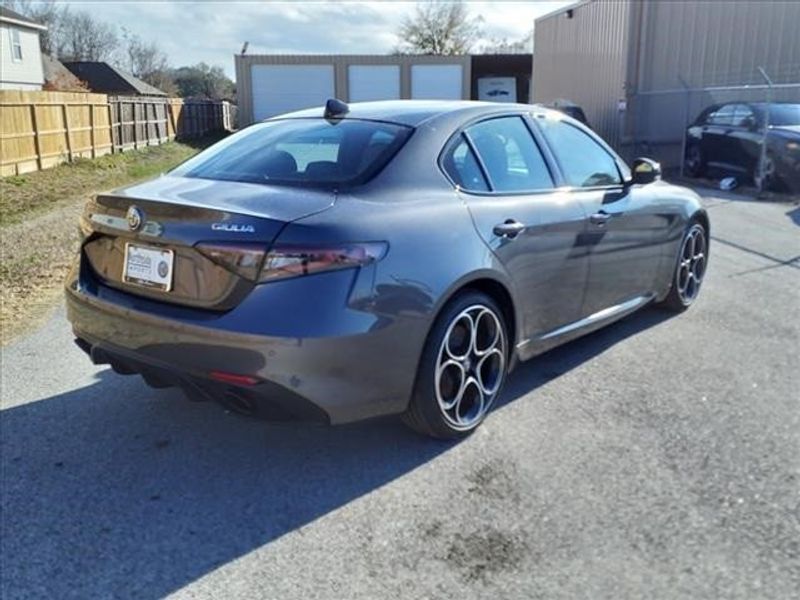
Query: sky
{"x": 213, "y": 31}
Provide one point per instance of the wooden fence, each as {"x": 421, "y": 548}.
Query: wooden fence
{"x": 42, "y": 129}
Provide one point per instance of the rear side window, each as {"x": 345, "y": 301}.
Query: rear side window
{"x": 784, "y": 114}
{"x": 462, "y": 167}
{"x": 301, "y": 152}
{"x": 585, "y": 163}
{"x": 509, "y": 153}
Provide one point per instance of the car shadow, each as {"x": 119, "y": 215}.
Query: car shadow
{"x": 117, "y": 490}
{"x": 554, "y": 363}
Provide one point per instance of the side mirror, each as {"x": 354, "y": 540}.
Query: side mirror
{"x": 645, "y": 170}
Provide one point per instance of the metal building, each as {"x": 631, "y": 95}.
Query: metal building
{"x": 643, "y": 70}
{"x": 269, "y": 85}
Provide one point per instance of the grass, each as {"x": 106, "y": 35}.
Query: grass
{"x": 32, "y": 193}
{"x": 38, "y": 224}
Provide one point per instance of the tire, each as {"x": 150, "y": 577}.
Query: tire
{"x": 766, "y": 176}
{"x": 694, "y": 161}
{"x": 690, "y": 269}
{"x": 459, "y": 379}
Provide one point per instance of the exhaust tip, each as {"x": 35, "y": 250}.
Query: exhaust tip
{"x": 238, "y": 403}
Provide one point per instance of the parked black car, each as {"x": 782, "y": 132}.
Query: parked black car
{"x": 728, "y": 137}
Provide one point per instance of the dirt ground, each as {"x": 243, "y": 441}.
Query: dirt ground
{"x": 39, "y": 225}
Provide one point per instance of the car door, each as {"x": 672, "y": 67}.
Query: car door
{"x": 623, "y": 234}
{"x": 716, "y": 140}
{"x": 532, "y": 229}
{"x": 745, "y": 142}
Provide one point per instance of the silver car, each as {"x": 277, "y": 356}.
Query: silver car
{"x": 383, "y": 258}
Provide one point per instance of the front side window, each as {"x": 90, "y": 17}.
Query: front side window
{"x": 510, "y": 154}
{"x": 723, "y": 116}
{"x": 743, "y": 116}
{"x": 301, "y": 151}
{"x": 16, "y": 45}
{"x": 585, "y": 163}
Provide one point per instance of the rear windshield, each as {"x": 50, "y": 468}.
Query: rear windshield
{"x": 784, "y": 114}
{"x": 300, "y": 152}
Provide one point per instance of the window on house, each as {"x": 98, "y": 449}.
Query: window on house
{"x": 16, "y": 45}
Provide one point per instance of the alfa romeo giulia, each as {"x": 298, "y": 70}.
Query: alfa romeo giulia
{"x": 382, "y": 258}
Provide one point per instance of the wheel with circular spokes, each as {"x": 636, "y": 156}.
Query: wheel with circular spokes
{"x": 690, "y": 269}
{"x": 462, "y": 370}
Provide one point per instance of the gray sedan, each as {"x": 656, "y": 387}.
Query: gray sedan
{"x": 382, "y": 258}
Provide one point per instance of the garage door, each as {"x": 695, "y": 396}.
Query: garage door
{"x": 373, "y": 82}
{"x": 278, "y": 89}
{"x": 436, "y": 82}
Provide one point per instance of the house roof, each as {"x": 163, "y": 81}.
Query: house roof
{"x": 101, "y": 77}
{"x": 9, "y": 16}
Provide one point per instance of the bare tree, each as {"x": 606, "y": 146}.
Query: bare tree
{"x": 146, "y": 61}
{"x": 84, "y": 38}
{"x": 70, "y": 35}
{"x": 506, "y": 46}
{"x": 439, "y": 27}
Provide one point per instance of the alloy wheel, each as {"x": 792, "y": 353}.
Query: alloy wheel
{"x": 691, "y": 265}
{"x": 471, "y": 366}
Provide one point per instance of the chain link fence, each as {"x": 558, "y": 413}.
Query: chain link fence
{"x": 657, "y": 121}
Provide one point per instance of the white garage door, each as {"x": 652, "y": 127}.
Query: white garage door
{"x": 278, "y": 89}
{"x": 373, "y": 82}
{"x": 436, "y": 82}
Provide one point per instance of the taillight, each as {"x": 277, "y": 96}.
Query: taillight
{"x": 242, "y": 259}
{"x": 297, "y": 261}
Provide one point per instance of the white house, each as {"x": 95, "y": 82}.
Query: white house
{"x": 21, "y": 56}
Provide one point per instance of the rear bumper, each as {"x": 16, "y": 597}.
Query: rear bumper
{"x": 326, "y": 363}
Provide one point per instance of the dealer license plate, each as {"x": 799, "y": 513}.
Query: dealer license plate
{"x": 148, "y": 267}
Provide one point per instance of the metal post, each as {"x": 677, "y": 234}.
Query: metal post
{"x": 685, "y": 121}
{"x": 763, "y": 157}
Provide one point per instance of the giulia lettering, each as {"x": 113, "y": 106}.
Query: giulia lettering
{"x": 234, "y": 227}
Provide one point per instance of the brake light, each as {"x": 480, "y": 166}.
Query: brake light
{"x": 234, "y": 378}
{"x": 296, "y": 261}
{"x": 242, "y": 259}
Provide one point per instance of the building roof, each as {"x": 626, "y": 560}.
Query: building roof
{"x": 563, "y": 9}
{"x": 10, "y": 16}
{"x": 102, "y": 78}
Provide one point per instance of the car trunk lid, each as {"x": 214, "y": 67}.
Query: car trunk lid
{"x": 211, "y": 235}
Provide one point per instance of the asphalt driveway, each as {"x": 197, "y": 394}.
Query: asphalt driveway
{"x": 659, "y": 458}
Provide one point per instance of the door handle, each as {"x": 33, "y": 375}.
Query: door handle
{"x": 510, "y": 229}
{"x": 599, "y": 218}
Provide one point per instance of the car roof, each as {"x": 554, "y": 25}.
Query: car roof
{"x": 415, "y": 112}
{"x": 758, "y": 104}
